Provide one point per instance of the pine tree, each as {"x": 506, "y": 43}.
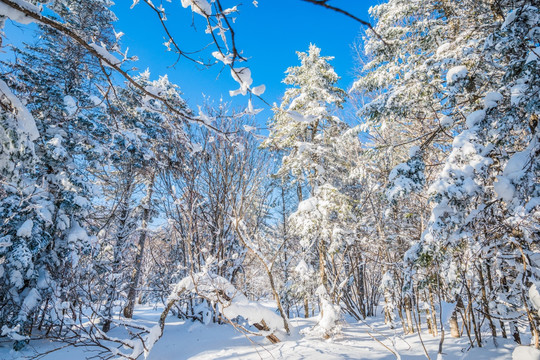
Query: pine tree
{"x": 45, "y": 213}
{"x": 463, "y": 100}
{"x": 316, "y": 144}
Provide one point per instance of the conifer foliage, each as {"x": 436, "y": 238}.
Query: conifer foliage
{"x": 422, "y": 204}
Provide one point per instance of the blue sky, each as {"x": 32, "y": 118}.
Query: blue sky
{"x": 269, "y": 36}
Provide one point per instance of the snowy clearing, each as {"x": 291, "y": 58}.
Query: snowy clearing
{"x": 195, "y": 341}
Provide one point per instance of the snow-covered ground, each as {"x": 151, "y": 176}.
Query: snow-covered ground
{"x": 196, "y": 341}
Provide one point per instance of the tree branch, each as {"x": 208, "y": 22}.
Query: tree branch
{"x": 324, "y": 3}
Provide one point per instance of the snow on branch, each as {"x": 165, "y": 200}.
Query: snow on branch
{"x": 25, "y": 122}
{"x": 231, "y": 304}
{"x": 15, "y": 14}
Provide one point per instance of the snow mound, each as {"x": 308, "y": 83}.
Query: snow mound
{"x": 526, "y": 353}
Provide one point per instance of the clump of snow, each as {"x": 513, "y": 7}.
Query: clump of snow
{"x": 514, "y": 167}
{"x": 328, "y": 324}
{"x": 330, "y": 316}
{"x": 302, "y": 268}
{"x": 308, "y": 205}
{"x": 13, "y": 333}
{"x": 195, "y": 148}
{"x": 504, "y": 188}
{"x": 106, "y": 55}
{"x": 534, "y": 55}
{"x": 258, "y": 90}
{"x": 296, "y": 116}
{"x": 517, "y": 92}
{"x": 475, "y": 117}
{"x": 243, "y": 77}
{"x": 25, "y": 230}
{"x": 534, "y": 296}
{"x": 446, "y": 121}
{"x": 456, "y": 73}
{"x": 77, "y": 233}
{"x": 225, "y": 59}
{"x": 152, "y": 337}
{"x": 443, "y": 48}
{"x": 5, "y": 241}
{"x": 30, "y": 302}
{"x": 248, "y": 128}
{"x": 203, "y": 117}
{"x": 414, "y": 151}
{"x": 526, "y": 353}
{"x": 97, "y": 101}
{"x": 509, "y": 19}
{"x": 201, "y": 7}
{"x": 251, "y": 110}
{"x": 71, "y": 104}
{"x": 492, "y": 99}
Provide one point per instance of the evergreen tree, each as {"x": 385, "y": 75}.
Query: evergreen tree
{"x": 317, "y": 144}
{"x": 48, "y": 194}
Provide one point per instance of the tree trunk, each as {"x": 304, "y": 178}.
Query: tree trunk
{"x": 454, "y": 327}
{"x": 476, "y": 328}
{"x": 408, "y": 314}
{"x": 485, "y": 305}
{"x": 490, "y": 286}
{"x": 433, "y": 313}
{"x": 132, "y": 293}
{"x": 121, "y": 238}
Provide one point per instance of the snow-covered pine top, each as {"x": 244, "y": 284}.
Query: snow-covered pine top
{"x": 304, "y": 123}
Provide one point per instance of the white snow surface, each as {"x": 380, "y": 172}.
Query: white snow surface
{"x": 534, "y": 55}
{"x": 184, "y": 340}
{"x": 504, "y": 189}
{"x": 526, "y": 353}
{"x": 296, "y": 116}
{"x": 514, "y": 167}
{"x": 414, "y": 150}
{"x": 308, "y": 205}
